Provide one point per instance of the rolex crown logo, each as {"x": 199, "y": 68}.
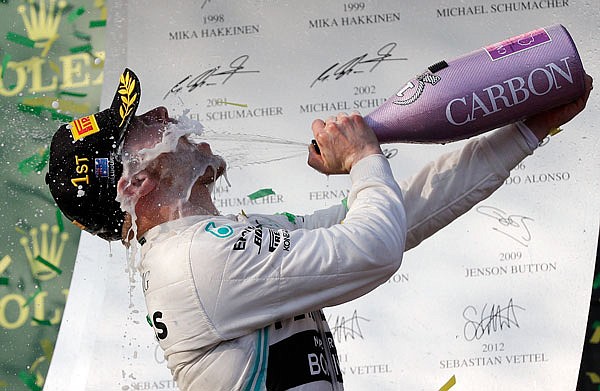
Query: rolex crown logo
{"x": 40, "y": 249}
{"x": 42, "y": 20}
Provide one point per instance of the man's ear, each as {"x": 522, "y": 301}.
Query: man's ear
{"x": 140, "y": 185}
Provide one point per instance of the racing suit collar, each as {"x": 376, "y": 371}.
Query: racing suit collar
{"x": 172, "y": 227}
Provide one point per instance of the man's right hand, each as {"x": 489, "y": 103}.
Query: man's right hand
{"x": 542, "y": 123}
{"x": 342, "y": 141}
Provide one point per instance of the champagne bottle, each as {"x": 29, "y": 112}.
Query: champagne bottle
{"x": 483, "y": 90}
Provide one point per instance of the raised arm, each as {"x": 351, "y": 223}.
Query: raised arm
{"x": 447, "y": 188}
{"x": 451, "y": 185}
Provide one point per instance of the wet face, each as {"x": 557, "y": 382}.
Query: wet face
{"x": 146, "y": 132}
{"x": 163, "y": 170}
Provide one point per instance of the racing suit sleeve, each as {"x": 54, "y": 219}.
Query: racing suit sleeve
{"x": 451, "y": 185}
{"x": 319, "y": 267}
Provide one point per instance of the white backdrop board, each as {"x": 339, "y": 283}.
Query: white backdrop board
{"x": 498, "y": 299}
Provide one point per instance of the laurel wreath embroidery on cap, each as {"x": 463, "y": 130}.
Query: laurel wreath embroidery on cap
{"x": 126, "y": 87}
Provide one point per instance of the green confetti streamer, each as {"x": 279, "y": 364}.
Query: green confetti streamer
{"x": 76, "y": 14}
{"x": 20, "y": 39}
{"x": 38, "y": 110}
{"x": 97, "y": 23}
{"x": 29, "y": 380}
{"x": 80, "y": 49}
{"x": 345, "y": 203}
{"x": 30, "y": 299}
{"x": 291, "y": 217}
{"x": 35, "y": 163}
{"x": 43, "y": 161}
{"x": 4, "y": 280}
{"x": 43, "y": 322}
{"x": 30, "y": 164}
{"x": 596, "y": 282}
{"x": 26, "y": 166}
{"x": 48, "y": 264}
{"x": 69, "y": 93}
{"x": 148, "y": 320}
{"x": 260, "y": 193}
{"x": 59, "y": 221}
{"x": 5, "y": 61}
{"x": 82, "y": 36}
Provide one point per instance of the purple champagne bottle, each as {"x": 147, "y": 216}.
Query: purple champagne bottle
{"x": 483, "y": 90}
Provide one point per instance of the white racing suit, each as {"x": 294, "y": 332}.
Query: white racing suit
{"x": 235, "y": 301}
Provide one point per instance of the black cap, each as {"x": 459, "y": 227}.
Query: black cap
{"x": 85, "y": 164}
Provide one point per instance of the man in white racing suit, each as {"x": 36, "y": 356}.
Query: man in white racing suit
{"x": 235, "y": 301}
